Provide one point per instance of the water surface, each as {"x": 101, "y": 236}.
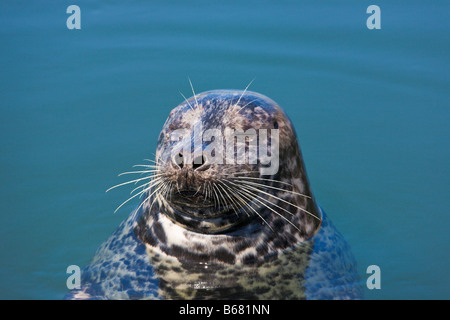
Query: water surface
{"x": 371, "y": 109}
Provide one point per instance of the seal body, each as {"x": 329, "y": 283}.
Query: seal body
{"x": 227, "y": 213}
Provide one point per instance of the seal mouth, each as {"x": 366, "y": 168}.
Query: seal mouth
{"x": 191, "y": 198}
{"x": 202, "y": 212}
{"x": 198, "y": 204}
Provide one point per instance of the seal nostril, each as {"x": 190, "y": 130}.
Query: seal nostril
{"x": 179, "y": 161}
{"x": 198, "y": 162}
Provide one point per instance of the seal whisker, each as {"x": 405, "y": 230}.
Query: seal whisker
{"x": 149, "y": 197}
{"x": 149, "y": 184}
{"x": 241, "y": 201}
{"x": 264, "y": 179}
{"x": 192, "y": 87}
{"x": 178, "y": 188}
{"x": 247, "y": 105}
{"x": 166, "y": 193}
{"x": 148, "y": 166}
{"x": 204, "y": 192}
{"x": 146, "y": 184}
{"x": 281, "y": 199}
{"x": 137, "y": 194}
{"x": 218, "y": 199}
{"x": 151, "y": 204}
{"x": 152, "y": 178}
{"x": 245, "y": 90}
{"x": 270, "y": 202}
{"x": 257, "y": 197}
{"x": 190, "y": 106}
{"x": 235, "y": 208}
{"x": 156, "y": 162}
{"x": 250, "y": 207}
{"x": 164, "y": 188}
{"x": 272, "y": 187}
{"x": 236, "y": 197}
{"x": 172, "y": 185}
{"x": 128, "y": 182}
{"x": 198, "y": 190}
{"x": 222, "y": 196}
{"x": 141, "y": 186}
{"x": 168, "y": 190}
{"x": 210, "y": 193}
{"x": 242, "y": 172}
{"x": 136, "y": 172}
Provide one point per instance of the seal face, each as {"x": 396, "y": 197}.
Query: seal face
{"x": 227, "y": 211}
{"x": 227, "y": 190}
{"x": 212, "y": 159}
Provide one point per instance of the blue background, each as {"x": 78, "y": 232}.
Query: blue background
{"x": 371, "y": 109}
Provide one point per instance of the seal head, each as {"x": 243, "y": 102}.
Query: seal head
{"x": 227, "y": 213}
{"x": 229, "y": 162}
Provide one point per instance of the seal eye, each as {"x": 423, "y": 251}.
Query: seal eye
{"x": 161, "y": 136}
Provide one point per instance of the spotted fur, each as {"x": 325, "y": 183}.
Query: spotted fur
{"x": 175, "y": 247}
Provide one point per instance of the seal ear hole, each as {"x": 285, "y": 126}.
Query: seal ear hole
{"x": 275, "y": 124}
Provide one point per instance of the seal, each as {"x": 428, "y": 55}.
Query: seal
{"x": 227, "y": 213}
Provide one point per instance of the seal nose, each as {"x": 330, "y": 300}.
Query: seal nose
{"x": 178, "y": 160}
{"x": 199, "y": 162}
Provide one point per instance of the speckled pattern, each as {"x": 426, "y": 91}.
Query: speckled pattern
{"x": 268, "y": 239}
{"x": 119, "y": 270}
{"x": 319, "y": 268}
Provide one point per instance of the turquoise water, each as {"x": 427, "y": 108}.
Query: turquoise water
{"x": 371, "y": 109}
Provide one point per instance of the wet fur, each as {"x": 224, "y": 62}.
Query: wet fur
{"x": 161, "y": 253}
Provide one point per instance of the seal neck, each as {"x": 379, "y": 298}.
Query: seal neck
{"x": 226, "y": 222}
